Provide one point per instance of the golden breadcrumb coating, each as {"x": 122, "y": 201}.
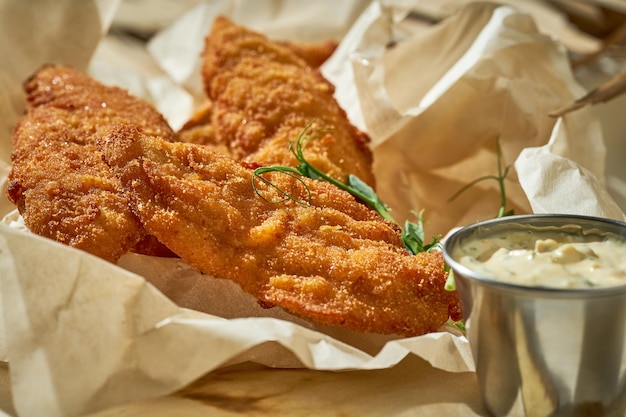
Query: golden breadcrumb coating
{"x": 199, "y": 129}
{"x": 313, "y": 53}
{"x": 59, "y": 181}
{"x": 263, "y": 95}
{"x": 329, "y": 259}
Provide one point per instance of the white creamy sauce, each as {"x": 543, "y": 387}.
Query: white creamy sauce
{"x": 559, "y": 260}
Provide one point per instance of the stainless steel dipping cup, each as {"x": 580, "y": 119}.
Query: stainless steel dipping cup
{"x": 540, "y": 351}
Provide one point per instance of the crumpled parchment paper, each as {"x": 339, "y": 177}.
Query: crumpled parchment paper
{"x": 437, "y": 103}
{"x": 86, "y": 335}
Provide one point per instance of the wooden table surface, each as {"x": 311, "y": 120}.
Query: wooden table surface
{"x": 412, "y": 388}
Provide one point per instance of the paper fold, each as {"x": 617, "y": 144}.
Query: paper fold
{"x": 439, "y": 100}
{"x": 86, "y": 335}
{"x": 93, "y": 335}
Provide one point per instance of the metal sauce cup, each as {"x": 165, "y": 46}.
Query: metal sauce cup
{"x": 543, "y": 351}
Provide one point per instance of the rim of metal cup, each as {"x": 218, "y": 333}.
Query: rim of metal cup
{"x": 587, "y": 223}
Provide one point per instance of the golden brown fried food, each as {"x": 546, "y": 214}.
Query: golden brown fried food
{"x": 314, "y": 54}
{"x": 59, "y": 181}
{"x": 328, "y": 259}
{"x": 264, "y": 95}
{"x": 199, "y": 129}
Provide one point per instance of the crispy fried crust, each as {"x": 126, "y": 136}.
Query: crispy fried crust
{"x": 314, "y": 54}
{"x": 199, "y": 129}
{"x": 263, "y": 96}
{"x": 59, "y": 181}
{"x": 331, "y": 260}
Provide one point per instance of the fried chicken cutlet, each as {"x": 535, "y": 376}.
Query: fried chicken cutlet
{"x": 326, "y": 258}
{"x": 313, "y": 53}
{"x": 263, "y": 95}
{"x": 199, "y": 129}
{"x": 59, "y": 182}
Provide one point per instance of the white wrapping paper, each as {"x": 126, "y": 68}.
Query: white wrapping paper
{"x": 484, "y": 74}
{"x": 87, "y": 335}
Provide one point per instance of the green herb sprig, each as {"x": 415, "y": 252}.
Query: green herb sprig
{"x": 413, "y": 233}
{"x": 502, "y": 212}
{"x": 286, "y": 196}
{"x": 502, "y": 173}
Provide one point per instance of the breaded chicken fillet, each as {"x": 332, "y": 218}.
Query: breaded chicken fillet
{"x": 199, "y": 128}
{"x": 320, "y": 255}
{"x": 59, "y": 181}
{"x": 263, "y": 95}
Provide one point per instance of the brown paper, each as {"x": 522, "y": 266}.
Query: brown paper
{"x": 437, "y": 102}
{"x": 86, "y": 335}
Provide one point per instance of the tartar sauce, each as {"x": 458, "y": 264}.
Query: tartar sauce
{"x": 556, "y": 261}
